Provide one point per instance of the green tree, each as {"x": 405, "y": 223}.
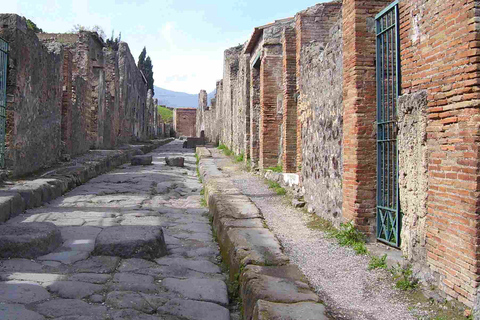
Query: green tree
{"x": 145, "y": 65}
{"x": 113, "y": 42}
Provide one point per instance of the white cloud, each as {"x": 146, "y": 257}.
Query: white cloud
{"x": 167, "y": 31}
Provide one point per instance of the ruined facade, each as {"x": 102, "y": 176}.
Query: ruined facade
{"x": 68, "y": 93}
{"x": 184, "y": 122}
{"x": 313, "y": 110}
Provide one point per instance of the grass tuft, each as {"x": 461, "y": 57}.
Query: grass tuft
{"x": 277, "y": 169}
{"x": 349, "y": 236}
{"x": 378, "y": 262}
{"x": 275, "y": 186}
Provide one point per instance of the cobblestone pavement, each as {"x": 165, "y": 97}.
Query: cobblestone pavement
{"x": 88, "y": 278}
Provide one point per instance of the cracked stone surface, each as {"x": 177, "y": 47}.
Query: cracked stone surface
{"x": 163, "y": 264}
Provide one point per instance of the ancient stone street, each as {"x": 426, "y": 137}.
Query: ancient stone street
{"x": 136, "y": 244}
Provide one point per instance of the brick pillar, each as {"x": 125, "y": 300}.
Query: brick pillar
{"x": 270, "y": 88}
{"x": 254, "y": 114}
{"x": 359, "y": 103}
{"x": 66, "y": 112}
{"x": 289, "y": 152}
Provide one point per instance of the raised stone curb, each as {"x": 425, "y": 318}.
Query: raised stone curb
{"x": 15, "y": 198}
{"x": 270, "y": 287}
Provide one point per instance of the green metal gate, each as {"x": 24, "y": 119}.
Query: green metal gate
{"x": 388, "y": 87}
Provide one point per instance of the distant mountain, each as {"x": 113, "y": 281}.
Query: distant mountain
{"x": 175, "y": 99}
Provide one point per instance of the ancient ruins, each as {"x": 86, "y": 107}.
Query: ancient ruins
{"x": 69, "y": 93}
{"x": 374, "y": 105}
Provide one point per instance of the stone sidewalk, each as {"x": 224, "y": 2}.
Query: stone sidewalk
{"x": 99, "y": 271}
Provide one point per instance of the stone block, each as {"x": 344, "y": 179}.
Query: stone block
{"x": 175, "y": 161}
{"x": 265, "y": 310}
{"x": 5, "y": 208}
{"x": 28, "y": 240}
{"x": 146, "y": 242}
{"x": 141, "y": 160}
{"x": 251, "y": 246}
{"x": 284, "y": 284}
{"x": 203, "y": 153}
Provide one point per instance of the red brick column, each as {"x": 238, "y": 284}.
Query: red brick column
{"x": 270, "y": 88}
{"x": 359, "y": 101}
{"x": 289, "y": 154}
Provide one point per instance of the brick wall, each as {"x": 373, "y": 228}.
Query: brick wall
{"x": 184, "y": 122}
{"x": 271, "y": 86}
{"x": 289, "y": 132}
{"x": 359, "y": 102}
{"x": 439, "y": 54}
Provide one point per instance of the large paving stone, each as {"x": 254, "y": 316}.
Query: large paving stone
{"x": 28, "y": 240}
{"x": 131, "y": 242}
{"x": 98, "y": 265}
{"x": 80, "y": 238}
{"x": 128, "y": 300}
{"x": 209, "y": 290}
{"x": 284, "y": 284}
{"x": 141, "y": 160}
{"x": 265, "y": 310}
{"x": 131, "y": 315}
{"x": 17, "y": 312}
{"x": 194, "y": 310}
{"x": 74, "y": 289}
{"x": 203, "y": 266}
{"x": 22, "y": 292}
{"x": 70, "y": 307}
{"x": 243, "y": 246}
{"x": 90, "y": 278}
{"x": 66, "y": 257}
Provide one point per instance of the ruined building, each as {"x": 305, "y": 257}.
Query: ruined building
{"x": 184, "y": 121}
{"x": 375, "y": 105}
{"x": 68, "y": 93}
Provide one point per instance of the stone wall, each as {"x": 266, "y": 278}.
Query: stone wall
{"x": 68, "y": 93}
{"x": 133, "y": 93}
{"x": 413, "y": 173}
{"x": 321, "y": 109}
{"x": 34, "y": 98}
{"x": 184, "y": 122}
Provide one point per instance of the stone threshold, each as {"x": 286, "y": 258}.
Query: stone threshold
{"x": 20, "y": 195}
{"x": 270, "y": 287}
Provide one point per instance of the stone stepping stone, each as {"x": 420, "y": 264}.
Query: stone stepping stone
{"x": 141, "y": 160}
{"x": 145, "y": 242}
{"x": 28, "y": 240}
{"x": 175, "y": 161}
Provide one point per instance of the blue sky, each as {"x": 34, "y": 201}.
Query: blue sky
{"x": 185, "y": 39}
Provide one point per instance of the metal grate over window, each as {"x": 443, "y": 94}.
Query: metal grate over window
{"x": 388, "y": 83}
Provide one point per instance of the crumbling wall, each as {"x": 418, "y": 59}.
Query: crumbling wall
{"x": 34, "y": 98}
{"x": 133, "y": 91}
{"x": 413, "y": 173}
{"x": 202, "y": 107}
{"x": 321, "y": 109}
{"x": 111, "y": 120}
